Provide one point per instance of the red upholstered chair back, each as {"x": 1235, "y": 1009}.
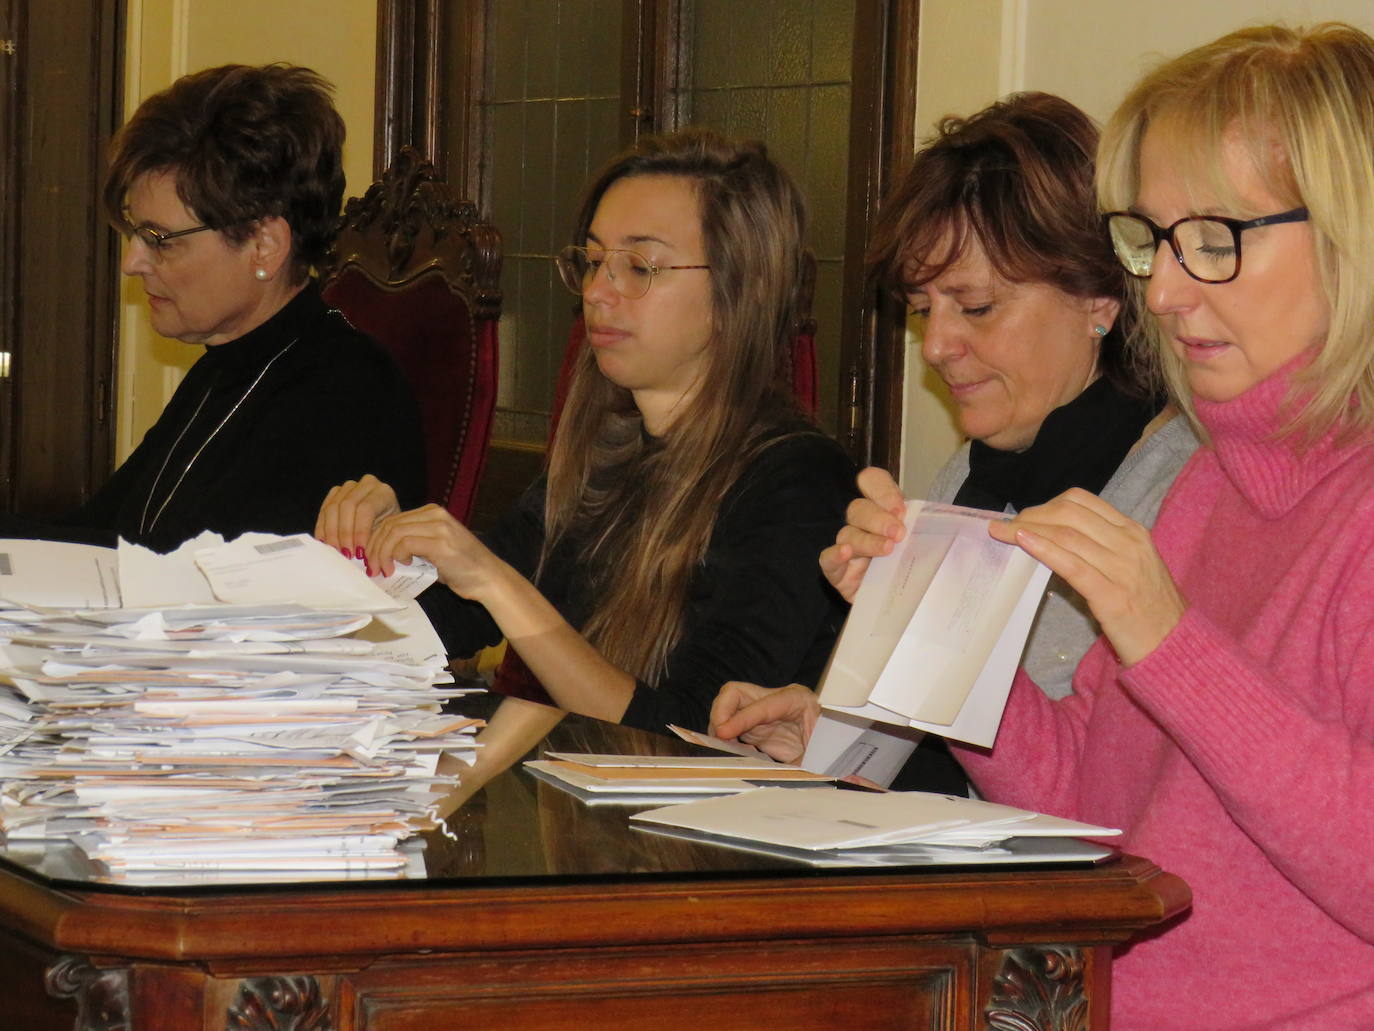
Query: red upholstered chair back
{"x": 416, "y": 268}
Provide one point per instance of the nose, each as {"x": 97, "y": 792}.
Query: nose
{"x": 1171, "y": 288}
{"x": 599, "y": 290}
{"x": 941, "y": 340}
{"x": 137, "y": 260}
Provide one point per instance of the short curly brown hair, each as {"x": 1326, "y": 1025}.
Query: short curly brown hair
{"x": 1017, "y": 178}
{"x": 243, "y": 143}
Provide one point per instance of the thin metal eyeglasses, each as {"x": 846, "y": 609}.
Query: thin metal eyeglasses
{"x": 630, "y": 273}
{"x": 1207, "y": 246}
{"x": 154, "y": 240}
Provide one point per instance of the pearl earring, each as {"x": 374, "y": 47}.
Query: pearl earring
{"x": 1101, "y": 331}
{"x": 261, "y": 273}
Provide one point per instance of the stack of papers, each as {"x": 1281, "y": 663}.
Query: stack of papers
{"x": 640, "y": 779}
{"x": 249, "y": 739}
{"x": 835, "y": 827}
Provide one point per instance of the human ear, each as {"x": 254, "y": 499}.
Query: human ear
{"x": 270, "y": 247}
{"x": 1103, "y": 311}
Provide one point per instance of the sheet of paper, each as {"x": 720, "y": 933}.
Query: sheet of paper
{"x": 55, "y": 574}
{"x": 844, "y": 745}
{"x": 981, "y": 713}
{"x": 831, "y": 818}
{"x": 264, "y": 569}
{"x": 718, "y": 744}
{"x": 405, "y": 635}
{"x": 936, "y": 630}
{"x": 650, "y": 763}
{"x": 955, "y": 628}
{"x": 148, "y": 580}
{"x": 586, "y": 780}
{"x": 1012, "y": 852}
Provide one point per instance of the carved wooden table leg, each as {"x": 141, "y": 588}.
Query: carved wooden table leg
{"x": 1041, "y": 989}
{"x": 279, "y": 1004}
{"x": 102, "y": 996}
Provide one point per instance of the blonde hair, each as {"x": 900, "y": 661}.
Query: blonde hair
{"x": 642, "y": 512}
{"x": 1302, "y": 103}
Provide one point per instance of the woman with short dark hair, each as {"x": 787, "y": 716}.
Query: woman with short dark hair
{"x": 227, "y": 186}
{"x": 992, "y": 237}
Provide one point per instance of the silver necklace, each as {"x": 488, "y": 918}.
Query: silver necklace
{"x": 144, "y": 526}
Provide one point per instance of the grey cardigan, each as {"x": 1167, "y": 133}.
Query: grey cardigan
{"x": 1064, "y": 629}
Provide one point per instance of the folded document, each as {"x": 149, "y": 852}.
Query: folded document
{"x": 836, "y": 821}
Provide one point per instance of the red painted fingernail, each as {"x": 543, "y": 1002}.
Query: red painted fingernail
{"x": 346, "y": 553}
{"x": 367, "y": 568}
{"x": 362, "y": 554}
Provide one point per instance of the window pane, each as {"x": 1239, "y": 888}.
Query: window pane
{"x": 794, "y": 94}
{"x": 552, "y": 116}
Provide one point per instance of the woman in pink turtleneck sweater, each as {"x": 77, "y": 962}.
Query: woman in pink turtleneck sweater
{"x": 1225, "y": 720}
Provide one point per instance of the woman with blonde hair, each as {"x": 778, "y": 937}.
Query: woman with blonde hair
{"x": 669, "y": 547}
{"x": 1226, "y": 719}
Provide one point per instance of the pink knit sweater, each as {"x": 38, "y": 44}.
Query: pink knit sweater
{"x": 1240, "y": 753}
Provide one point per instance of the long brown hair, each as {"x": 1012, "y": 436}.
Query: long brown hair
{"x": 642, "y": 511}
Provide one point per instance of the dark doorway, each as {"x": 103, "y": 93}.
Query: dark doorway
{"x": 60, "y": 93}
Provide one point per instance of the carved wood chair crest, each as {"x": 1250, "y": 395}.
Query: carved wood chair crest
{"x": 415, "y": 267}
{"x": 410, "y": 221}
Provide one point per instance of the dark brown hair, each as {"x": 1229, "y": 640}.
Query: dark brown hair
{"x": 604, "y": 478}
{"x": 1017, "y": 177}
{"x": 243, "y": 143}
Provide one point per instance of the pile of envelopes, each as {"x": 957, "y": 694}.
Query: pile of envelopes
{"x": 213, "y": 726}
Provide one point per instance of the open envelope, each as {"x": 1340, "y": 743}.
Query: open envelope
{"x": 937, "y": 628}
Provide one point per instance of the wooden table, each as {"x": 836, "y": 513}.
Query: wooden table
{"x": 544, "y": 913}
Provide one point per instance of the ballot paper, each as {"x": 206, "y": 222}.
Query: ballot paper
{"x": 937, "y": 628}
{"x": 634, "y": 779}
{"x": 57, "y": 574}
{"x": 832, "y": 820}
{"x": 227, "y": 742}
{"x": 262, "y": 569}
{"x": 148, "y": 580}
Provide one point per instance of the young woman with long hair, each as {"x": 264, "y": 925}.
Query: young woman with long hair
{"x": 670, "y": 545}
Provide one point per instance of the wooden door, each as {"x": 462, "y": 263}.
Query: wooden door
{"x": 60, "y": 86}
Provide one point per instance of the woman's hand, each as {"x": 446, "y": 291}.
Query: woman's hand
{"x": 463, "y": 562}
{"x": 874, "y": 523}
{"x": 1107, "y": 558}
{"x": 350, "y": 511}
{"x": 777, "y": 720}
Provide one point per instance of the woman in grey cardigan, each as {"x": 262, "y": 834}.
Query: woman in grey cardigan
{"x": 993, "y": 240}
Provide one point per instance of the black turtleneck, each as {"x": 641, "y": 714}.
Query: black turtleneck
{"x": 1080, "y": 444}
{"x": 259, "y": 430}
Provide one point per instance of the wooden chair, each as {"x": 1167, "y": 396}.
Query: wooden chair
{"x": 416, "y": 268}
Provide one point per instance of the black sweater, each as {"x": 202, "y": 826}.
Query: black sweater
{"x": 257, "y": 433}
{"x": 759, "y": 609}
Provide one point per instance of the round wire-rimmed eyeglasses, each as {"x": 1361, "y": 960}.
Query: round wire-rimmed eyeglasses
{"x": 630, "y": 273}
{"x": 1207, "y": 246}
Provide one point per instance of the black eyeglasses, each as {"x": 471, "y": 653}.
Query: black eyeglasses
{"x": 1207, "y": 246}
{"x": 154, "y": 240}
{"x": 630, "y": 273}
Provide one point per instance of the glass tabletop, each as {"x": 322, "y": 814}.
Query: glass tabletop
{"x": 514, "y": 828}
